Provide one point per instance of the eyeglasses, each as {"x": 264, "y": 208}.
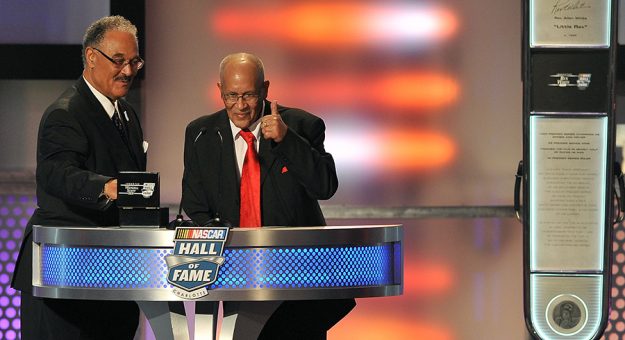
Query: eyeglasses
{"x": 232, "y": 98}
{"x": 135, "y": 63}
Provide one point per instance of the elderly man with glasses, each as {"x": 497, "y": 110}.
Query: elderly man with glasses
{"x": 86, "y": 137}
{"x": 253, "y": 164}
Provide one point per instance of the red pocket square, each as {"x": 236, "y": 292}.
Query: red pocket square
{"x": 284, "y": 169}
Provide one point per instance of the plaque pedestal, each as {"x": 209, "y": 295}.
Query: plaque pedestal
{"x": 568, "y": 140}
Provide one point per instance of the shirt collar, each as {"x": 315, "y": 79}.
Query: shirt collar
{"x": 107, "y": 104}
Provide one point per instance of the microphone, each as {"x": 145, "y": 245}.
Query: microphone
{"x": 179, "y": 221}
{"x": 217, "y": 221}
{"x": 219, "y": 174}
{"x": 202, "y": 131}
{"x": 221, "y": 139}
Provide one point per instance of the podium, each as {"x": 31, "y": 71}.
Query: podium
{"x": 265, "y": 264}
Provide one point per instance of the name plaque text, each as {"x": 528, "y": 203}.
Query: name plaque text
{"x": 570, "y": 23}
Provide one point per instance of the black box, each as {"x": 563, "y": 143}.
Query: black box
{"x": 139, "y": 217}
{"x": 138, "y": 199}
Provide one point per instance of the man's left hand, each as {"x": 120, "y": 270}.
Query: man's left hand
{"x": 272, "y": 125}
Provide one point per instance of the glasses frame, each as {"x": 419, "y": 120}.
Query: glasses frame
{"x": 250, "y": 97}
{"x": 135, "y": 63}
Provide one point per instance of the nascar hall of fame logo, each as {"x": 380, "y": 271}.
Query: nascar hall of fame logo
{"x": 196, "y": 259}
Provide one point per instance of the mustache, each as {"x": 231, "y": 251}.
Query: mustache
{"x": 123, "y": 78}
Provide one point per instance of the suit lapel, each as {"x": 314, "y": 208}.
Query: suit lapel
{"x": 215, "y": 153}
{"x": 108, "y": 132}
{"x": 265, "y": 156}
{"x": 228, "y": 162}
{"x": 135, "y": 138}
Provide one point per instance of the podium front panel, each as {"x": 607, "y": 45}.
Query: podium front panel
{"x": 263, "y": 264}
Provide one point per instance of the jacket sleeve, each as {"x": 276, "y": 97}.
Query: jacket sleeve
{"x": 304, "y": 154}
{"x": 62, "y": 151}
{"x": 194, "y": 201}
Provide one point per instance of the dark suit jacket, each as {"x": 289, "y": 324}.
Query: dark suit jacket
{"x": 78, "y": 151}
{"x": 295, "y": 173}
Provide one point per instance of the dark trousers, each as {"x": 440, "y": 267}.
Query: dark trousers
{"x": 305, "y": 320}
{"x": 284, "y": 320}
{"x": 61, "y": 319}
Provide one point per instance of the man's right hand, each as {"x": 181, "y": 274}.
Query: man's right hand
{"x": 110, "y": 189}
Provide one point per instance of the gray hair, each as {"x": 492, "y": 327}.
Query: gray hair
{"x": 96, "y": 31}
{"x": 243, "y": 56}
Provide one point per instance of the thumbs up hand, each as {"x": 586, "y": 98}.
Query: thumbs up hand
{"x": 272, "y": 126}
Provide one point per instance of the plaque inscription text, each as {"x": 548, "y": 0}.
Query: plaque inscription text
{"x": 567, "y": 192}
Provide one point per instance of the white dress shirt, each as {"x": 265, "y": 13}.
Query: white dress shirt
{"x": 108, "y": 105}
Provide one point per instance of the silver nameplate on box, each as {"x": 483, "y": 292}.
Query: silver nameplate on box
{"x": 567, "y": 179}
{"x": 569, "y": 23}
{"x": 579, "y": 80}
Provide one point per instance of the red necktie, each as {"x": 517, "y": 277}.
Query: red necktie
{"x": 250, "y": 185}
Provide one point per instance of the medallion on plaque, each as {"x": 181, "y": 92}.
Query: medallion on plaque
{"x": 566, "y": 314}
{"x": 569, "y": 23}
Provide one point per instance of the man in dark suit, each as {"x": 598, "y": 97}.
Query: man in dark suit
{"x": 295, "y": 172}
{"x": 85, "y": 138}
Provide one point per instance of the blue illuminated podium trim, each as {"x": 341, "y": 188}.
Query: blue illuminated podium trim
{"x": 262, "y": 264}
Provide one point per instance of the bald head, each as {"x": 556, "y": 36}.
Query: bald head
{"x": 243, "y": 88}
{"x": 242, "y": 60}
